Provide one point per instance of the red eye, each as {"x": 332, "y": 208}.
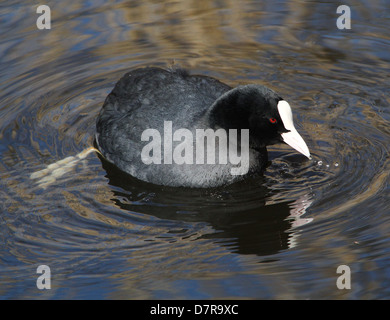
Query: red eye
{"x": 273, "y": 120}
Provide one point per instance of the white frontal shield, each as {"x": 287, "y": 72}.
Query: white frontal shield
{"x": 292, "y": 138}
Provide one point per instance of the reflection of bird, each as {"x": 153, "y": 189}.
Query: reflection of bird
{"x": 150, "y": 98}
{"x": 240, "y": 215}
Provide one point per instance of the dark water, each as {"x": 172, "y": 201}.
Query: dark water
{"x": 281, "y": 236}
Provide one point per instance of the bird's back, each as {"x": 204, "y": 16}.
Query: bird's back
{"x": 155, "y": 94}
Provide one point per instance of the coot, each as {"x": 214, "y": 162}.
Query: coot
{"x": 170, "y": 128}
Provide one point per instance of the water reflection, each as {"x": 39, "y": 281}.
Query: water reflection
{"x": 131, "y": 240}
{"x": 245, "y": 223}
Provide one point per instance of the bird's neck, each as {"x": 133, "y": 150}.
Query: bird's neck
{"x": 228, "y": 111}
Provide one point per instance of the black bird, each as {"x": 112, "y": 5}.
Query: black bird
{"x": 170, "y": 128}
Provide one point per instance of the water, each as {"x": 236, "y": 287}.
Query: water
{"x": 275, "y": 237}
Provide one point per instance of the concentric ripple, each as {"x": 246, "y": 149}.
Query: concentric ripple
{"x": 278, "y": 235}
